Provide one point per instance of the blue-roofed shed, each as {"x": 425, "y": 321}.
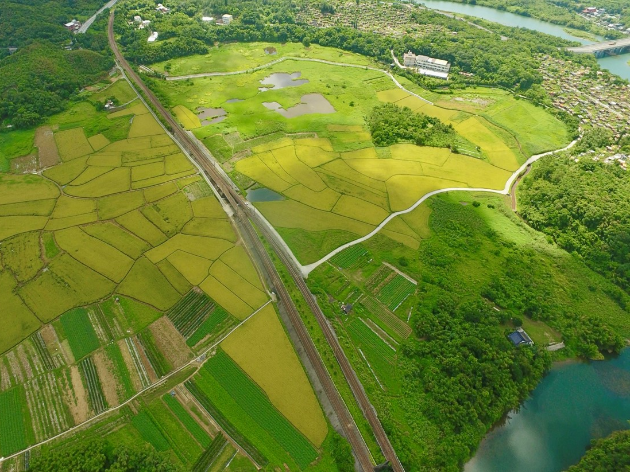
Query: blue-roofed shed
{"x": 520, "y": 337}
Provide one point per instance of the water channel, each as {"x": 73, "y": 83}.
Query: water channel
{"x": 615, "y": 64}
{"x": 576, "y": 402}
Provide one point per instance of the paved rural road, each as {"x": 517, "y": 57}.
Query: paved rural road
{"x": 307, "y": 269}
{"x": 88, "y": 22}
{"x": 242, "y": 215}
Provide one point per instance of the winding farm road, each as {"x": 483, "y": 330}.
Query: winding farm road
{"x": 305, "y": 270}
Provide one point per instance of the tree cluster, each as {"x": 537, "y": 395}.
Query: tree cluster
{"x": 390, "y": 124}
{"x": 611, "y": 454}
{"x": 98, "y": 456}
{"x": 585, "y": 208}
{"x": 41, "y": 76}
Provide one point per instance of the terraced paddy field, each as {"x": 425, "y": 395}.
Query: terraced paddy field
{"x": 336, "y": 185}
{"x": 118, "y": 268}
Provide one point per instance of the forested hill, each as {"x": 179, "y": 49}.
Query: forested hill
{"x": 38, "y": 78}
{"x": 585, "y": 208}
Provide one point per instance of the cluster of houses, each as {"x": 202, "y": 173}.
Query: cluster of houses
{"x": 389, "y": 19}
{"x": 426, "y": 65}
{"x": 596, "y": 99}
{"x": 604, "y": 19}
{"x": 162, "y": 9}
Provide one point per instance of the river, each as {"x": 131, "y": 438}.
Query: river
{"x": 617, "y": 64}
{"x": 574, "y": 403}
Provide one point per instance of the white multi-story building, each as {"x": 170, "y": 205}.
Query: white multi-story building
{"x": 227, "y": 19}
{"x": 426, "y": 65}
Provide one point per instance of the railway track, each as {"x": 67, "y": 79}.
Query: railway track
{"x": 244, "y": 216}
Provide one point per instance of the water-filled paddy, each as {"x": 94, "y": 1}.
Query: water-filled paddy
{"x": 280, "y": 80}
{"x": 311, "y": 103}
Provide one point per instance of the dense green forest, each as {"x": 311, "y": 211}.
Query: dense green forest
{"x": 585, "y": 208}
{"x": 42, "y": 75}
{"x": 562, "y": 12}
{"x": 99, "y": 456}
{"x": 390, "y": 124}
{"x": 493, "y": 61}
{"x": 611, "y": 454}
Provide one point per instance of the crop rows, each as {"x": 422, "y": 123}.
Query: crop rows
{"x": 93, "y": 383}
{"x": 156, "y": 358}
{"x": 389, "y": 319}
{"x": 137, "y": 362}
{"x": 370, "y": 341}
{"x": 224, "y": 423}
{"x": 191, "y": 425}
{"x": 189, "y": 313}
{"x": 102, "y": 322}
{"x": 210, "y": 454}
{"x": 396, "y": 291}
{"x": 256, "y": 404}
{"x": 13, "y": 436}
{"x": 377, "y": 278}
{"x": 80, "y": 332}
{"x": 215, "y": 324}
{"x": 350, "y": 257}
{"x": 46, "y": 406}
{"x": 121, "y": 370}
{"x": 149, "y": 431}
{"x": 42, "y": 351}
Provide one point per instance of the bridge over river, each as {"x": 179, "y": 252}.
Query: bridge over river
{"x": 607, "y": 48}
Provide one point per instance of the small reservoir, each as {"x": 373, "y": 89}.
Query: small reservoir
{"x": 263, "y": 194}
{"x": 575, "y": 403}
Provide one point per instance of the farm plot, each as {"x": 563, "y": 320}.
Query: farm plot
{"x": 178, "y": 437}
{"x": 93, "y": 385}
{"x": 14, "y": 432}
{"x": 158, "y": 361}
{"x": 79, "y": 332}
{"x": 380, "y": 355}
{"x": 42, "y": 351}
{"x": 121, "y": 372}
{"x": 391, "y": 322}
{"x": 247, "y": 398}
{"x": 211, "y": 454}
{"x": 395, "y": 292}
{"x": 190, "y": 312}
{"x": 137, "y": 362}
{"x": 350, "y": 257}
{"x": 262, "y": 349}
{"x": 191, "y": 425}
{"x": 48, "y": 411}
{"x": 150, "y": 431}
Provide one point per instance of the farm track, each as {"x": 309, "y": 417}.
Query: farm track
{"x": 242, "y": 213}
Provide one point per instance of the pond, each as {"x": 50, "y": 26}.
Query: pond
{"x": 263, "y": 195}
{"x": 280, "y": 80}
{"x": 617, "y": 65}
{"x": 310, "y": 103}
{"x": 211, "y": 115}
{"x": 574, "y": 403}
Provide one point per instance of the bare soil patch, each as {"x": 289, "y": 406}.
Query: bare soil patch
{"x": 5, "y": 379}
{"x": 105, "y": 369}
{"x": 14, "y": 365}
{"x": 24, "y": 165}
{"x": 170, "y": 342}
{"x": 46, "y": 146}
{"x": 76, "y": 397}
{"x": 23, "y": 358}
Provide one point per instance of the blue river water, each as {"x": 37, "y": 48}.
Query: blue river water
{"x": 616, "y": 64}
{"x": 574, "y": 403}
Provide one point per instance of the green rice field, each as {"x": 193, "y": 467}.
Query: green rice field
{"x": 79, "y": 332}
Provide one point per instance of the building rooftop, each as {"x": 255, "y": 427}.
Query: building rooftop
{"x": 520, "y": 337}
